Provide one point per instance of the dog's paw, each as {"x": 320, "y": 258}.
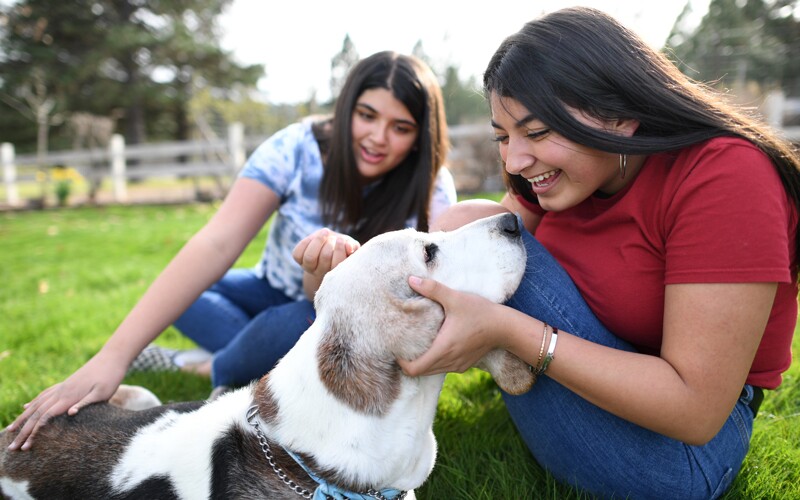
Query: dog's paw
{"x": 509, "y": 372}
{"x": 134, "y": 397}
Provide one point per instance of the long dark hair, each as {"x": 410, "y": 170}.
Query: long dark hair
{"x": 583, "y": 58}
{"x": 406, "y": 190}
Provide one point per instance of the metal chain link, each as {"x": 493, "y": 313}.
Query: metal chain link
{"x": 377, "y": 494}
{"x": 262, "y": 440}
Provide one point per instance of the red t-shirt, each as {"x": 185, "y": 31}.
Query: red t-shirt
{"x": 712, "y": 213}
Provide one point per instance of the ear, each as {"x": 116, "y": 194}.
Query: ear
{"x": 368, "y": 384}
{"x": 415, "y": 325}
{"x": 509, "y": 372}
{"x": 624, "y": 126}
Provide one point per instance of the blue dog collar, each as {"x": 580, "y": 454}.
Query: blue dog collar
{"x": 326, "y": 490}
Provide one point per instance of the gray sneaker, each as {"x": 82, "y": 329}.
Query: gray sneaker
{"x": 219, "y": 391}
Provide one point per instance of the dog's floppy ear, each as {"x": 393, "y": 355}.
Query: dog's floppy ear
{"x": 416, "y": 325}
{"x": 364, "y": 380}
{"x": 509, "y": 372}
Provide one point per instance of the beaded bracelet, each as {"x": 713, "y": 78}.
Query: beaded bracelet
{"x": 551, "y": 349}
{"x": 535, "y": 368}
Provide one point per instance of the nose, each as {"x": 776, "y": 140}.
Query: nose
{"x": 509, "y": 226}
{"x": 379, "y": 133}
{"x": 518, "y": 158}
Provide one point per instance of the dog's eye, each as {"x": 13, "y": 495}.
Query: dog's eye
{"x": 430, "y": 252}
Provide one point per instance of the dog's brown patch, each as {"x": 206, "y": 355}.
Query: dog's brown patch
{"x": 265, "y": 399}
{"x": 368, "y": 384}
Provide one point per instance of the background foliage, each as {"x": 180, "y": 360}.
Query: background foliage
{"x": 158, "y": 69}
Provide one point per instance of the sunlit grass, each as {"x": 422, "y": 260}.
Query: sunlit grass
{"x": 68, "y": 277}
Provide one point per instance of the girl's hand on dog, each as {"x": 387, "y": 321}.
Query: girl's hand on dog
{"x": 323, "y": 250}
{"x": 464, "y": 338}
{"x": 93, "y": 382}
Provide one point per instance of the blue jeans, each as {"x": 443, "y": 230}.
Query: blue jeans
{"x": 247, "y": 324}
{"x": 587, "y": 447}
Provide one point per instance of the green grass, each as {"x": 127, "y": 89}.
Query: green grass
{"x": 68, "y": 277}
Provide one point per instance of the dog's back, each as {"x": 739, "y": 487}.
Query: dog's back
{"x": 86, "y": 443}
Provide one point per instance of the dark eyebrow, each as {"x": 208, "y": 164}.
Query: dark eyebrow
{"x": 410, "y": 123}
{"x": 365, "y": 105}
{"x": 520, "y": 123}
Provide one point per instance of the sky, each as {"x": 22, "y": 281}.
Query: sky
{"x": 296, "y": 40}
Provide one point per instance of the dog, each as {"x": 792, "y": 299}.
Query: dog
{"x": 335, "y": 418}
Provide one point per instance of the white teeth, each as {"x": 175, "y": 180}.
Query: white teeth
{"x": 542, "y": 177}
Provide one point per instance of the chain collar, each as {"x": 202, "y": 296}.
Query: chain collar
{"x": 252, "y": 419}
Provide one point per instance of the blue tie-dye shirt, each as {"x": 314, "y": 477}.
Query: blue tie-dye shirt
{"x": 289, "y": 163}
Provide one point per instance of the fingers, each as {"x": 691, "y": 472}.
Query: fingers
{"x": 343, "y": 249}
{"x": 300, "y": 249}
{"x": 313, "y": 240}
{"x": 29, "y": 409}
{"x": 429, "y": 288}
{"x": 323, "y": 250}
{"x": 423, "y": 365}
{"x": 443, "y": 356}
{"x": 36, "y": 414}
{"x": 48, "y": 404}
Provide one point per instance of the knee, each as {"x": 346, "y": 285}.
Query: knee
{"x": 465, "y": 212}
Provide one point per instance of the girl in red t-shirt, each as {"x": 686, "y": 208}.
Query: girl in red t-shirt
{"x": 660, "y": 295}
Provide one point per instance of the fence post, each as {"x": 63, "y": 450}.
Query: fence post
{"x": 9, "y": 173}
{"x": 116, "y": 150}
{"x": 774, "y": 104}
{"x": 236, "y": 146}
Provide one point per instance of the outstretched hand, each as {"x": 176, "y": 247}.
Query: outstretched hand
{"x": 467, "y": 334}
{"x": 92, "y": 383}
{"x": 323, "y": 250}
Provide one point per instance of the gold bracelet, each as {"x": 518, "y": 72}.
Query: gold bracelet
{"x": 535, "y": 370}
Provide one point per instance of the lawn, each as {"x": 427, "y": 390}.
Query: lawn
{"x": 70, "y": 276}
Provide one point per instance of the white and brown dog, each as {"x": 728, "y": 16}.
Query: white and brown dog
{"x": 335, "y": 418}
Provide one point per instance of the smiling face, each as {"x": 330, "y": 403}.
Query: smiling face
{"x": 562, "y": 173}
{"x": 383, "y": 133}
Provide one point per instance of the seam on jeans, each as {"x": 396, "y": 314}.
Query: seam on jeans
{"x": 739, "y": 420}
{"x": 724, "y": 483}
{"x": 565, "y": 323}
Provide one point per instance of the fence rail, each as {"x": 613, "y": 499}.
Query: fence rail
{"x": 473, "y": 160}
{"x": 123, "y": 163}
{"x": 221, "y": 159}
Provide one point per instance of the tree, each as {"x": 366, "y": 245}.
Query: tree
{"x": 463, "y": 101}
{"x": 97, "y": 55}
{"x": 34, "y": 102}
{"x": 341, "y": 64}
{"x": 741, "y": 41}
{"x": 419, "y": 52}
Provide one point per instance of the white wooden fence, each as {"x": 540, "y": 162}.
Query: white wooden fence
{"x": 473, "y": 163}
{"x": 122, "y": 163}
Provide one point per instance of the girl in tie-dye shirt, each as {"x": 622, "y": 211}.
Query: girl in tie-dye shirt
{"x": 375, "y": 166}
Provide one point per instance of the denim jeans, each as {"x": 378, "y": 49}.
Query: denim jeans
{"x": 246, "y": 323}
{"x": 587, "y": 447}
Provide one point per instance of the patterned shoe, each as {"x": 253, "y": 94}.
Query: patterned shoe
{"x": 155, "y": 358}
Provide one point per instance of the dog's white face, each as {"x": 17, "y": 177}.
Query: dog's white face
{"x": 370, "y": 289}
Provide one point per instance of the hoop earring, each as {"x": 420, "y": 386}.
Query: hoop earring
{"x": 623, "y": 165}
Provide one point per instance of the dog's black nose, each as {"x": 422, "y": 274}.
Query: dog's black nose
{"x": 509, "y": 225}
